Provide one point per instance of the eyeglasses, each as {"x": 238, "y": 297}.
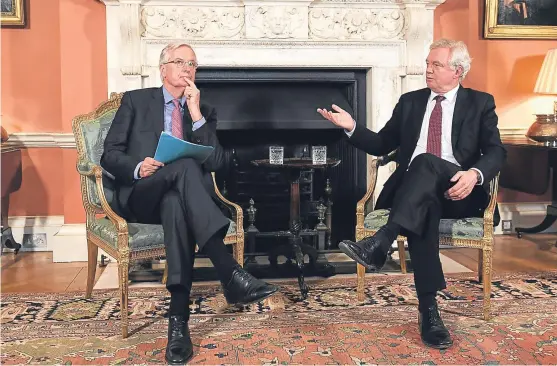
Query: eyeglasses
{"x": 181, "y": 63}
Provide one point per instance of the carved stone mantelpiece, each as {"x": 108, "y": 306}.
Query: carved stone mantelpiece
{"x": 390, "y": 38}
{"x": 356, "y": 24}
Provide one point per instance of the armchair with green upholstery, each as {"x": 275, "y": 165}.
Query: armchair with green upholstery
{"x": 125, "y": 242}
{"x": 472, "y": 232}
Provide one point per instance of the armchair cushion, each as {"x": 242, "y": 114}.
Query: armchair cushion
{"x": 141, "y": 236}
{"x": 467, "y": 228}
{"x": 94, "y": 133}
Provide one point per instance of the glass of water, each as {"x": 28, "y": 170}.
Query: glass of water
{"x": 276, "y": 154}
{"x": 319, "y": 155}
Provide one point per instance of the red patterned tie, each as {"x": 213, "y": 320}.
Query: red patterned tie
{"x": 177, "y": 120}
{"x": 435, "y": 128}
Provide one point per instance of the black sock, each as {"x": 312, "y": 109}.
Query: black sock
{"x": 223, "y": 261}
{"x": 426, "y": 300}
{"x": 179, "y": 301}
{"x": 392, "y": 230}
{"x": 388, "y": 232}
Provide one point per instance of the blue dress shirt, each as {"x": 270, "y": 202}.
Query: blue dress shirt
{"x": 168, "y": 109}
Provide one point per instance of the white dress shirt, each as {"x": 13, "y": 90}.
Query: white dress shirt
{"x": 447, "y": 106}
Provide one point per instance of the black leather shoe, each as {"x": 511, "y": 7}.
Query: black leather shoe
{"x": 370, "y": 252}
{"x": 244, "y": 289}
{"x": 433, "y": 331}
{"x": 179, "y": 349}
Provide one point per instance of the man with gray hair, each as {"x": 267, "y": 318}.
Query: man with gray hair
{"x": 178, "y": 195}
{"x": 449, "y": 149}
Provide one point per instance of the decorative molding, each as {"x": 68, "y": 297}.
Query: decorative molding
{"x": 131, "y": 41}
{"x": 192, "y": 22}
{"x": 288, "y": 44}
{"x": 21, "y": 140}
{"x": 276, "y": 22}
{"x": 355, "y": 23}
{"x": 39, "y": 139}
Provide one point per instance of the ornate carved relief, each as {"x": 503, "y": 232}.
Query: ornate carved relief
{"x": 276, "y": 22}
{"x": 190, "y": 22}
{"x": 349, "y": 24}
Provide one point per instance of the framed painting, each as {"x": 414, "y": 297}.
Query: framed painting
{"x": 12, "y": 12}
{"x": 526, "y": 19}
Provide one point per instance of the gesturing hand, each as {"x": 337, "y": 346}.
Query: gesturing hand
{"x": 342, "y": 118}
{"x": 192, "y": 100}
{"x": 465, "y": 182}
{"x": 149, "y": 167}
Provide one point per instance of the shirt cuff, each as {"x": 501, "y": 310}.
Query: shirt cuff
{"x": 136, "y": 171}
{"x": 481, "y": 177}
{"x": 349, "y": 133}
{"x": 198, "y": 124}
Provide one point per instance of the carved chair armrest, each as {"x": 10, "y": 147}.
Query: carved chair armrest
{"x": 490, "y": 209}
{"x": 120, "y": 223}
{"x": 236, "y": 210}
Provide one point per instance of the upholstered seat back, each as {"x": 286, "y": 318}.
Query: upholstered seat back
{"x": 90, "y": 133}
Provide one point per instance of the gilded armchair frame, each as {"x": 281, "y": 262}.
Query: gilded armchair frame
{"x": 87, "y": 169}
{"x": 484, "y": 244}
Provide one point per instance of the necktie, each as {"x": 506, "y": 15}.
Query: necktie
{"x": 177, "y": 120}
{"x": 435, "y": 128}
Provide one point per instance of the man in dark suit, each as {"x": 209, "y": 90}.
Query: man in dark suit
{"x": 449, "y": 149}
{"x": 177, "y": 195}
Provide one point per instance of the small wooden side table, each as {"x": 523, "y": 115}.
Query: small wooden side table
{"x": 292, "y": 168}
{"x": 529, "y": 168}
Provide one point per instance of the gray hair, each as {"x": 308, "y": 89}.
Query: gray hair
{"x": 459, "y": 54}
{"x": 165, "y": 53}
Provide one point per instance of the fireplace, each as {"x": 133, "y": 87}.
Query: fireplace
{"x": 381, "y": 43}
{"x": 257, "y": 108}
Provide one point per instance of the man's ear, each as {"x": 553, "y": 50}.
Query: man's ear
{"x": 458, "y": 72}
{"x": 163, "y": 71}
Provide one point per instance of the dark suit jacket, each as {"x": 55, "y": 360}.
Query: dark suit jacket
{"x": 475, "y": 137}
{"x": 134, "y": 135}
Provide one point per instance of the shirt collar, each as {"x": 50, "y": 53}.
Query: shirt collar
{"x": 168, "y": 98}
{"x": 449, "y": 96}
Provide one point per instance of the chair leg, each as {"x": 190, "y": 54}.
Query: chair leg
{"x": 487, "y": 262}
{"x": 401, "y": 255}
{"x": 123, "y": 279}
{"x": 238, "y": 251}
{"x": 361, "y": 282}
{"x": 92, "y": 252}
{"x": 165, "y": 273}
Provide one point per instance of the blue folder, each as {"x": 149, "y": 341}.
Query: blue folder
{"x": 171, "y": 148}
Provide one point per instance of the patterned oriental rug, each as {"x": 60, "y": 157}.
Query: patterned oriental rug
{"x": 330, "y": 327}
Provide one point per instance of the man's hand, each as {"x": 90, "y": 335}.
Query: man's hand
{"x": 465, "y": 182}
{"x": 192, "y": 100}
{"x": 149, "y": 167}
{"x": 342, "y": 118}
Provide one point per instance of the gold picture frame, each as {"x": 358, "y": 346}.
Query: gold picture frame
{"x": 12, "y": 12}
{"x": 520, "y": 19}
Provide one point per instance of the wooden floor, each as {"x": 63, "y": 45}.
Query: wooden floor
{"x": 35, "y": 272}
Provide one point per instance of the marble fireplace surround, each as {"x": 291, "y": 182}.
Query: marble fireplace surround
{"x": 389, "y": 38}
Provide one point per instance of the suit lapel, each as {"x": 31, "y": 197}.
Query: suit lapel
{"x": 419, "y": 106}
{"x": 458, "y": 115}
{"x": 156, "y": 112}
